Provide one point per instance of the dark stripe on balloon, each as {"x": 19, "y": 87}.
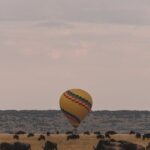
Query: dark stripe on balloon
{"x": 75, "y": 118}
{"x": 83, "y": 100}
{"x": 77, "y": 101}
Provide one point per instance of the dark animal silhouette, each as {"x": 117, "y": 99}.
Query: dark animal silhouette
{"x": 41, "y": 137}
{"x": 6, "y": 146}
{"x": 15, "y": 146}
{"x": 97, "y": 132}
{"x": 87, "y": 133}
{"x": 69, "y": 132}
{"x": 108, "y": 133}
{"x": 132, "y": 132}
{"x": 50, "y": 146}
{"x": 107, "y": 136}
{"x": 20, "y": 132}
{"x": 146, "y": 136}
{"x": 73, "y": 137}
{"x": 16, "y": 137}
{"x": 30, "y": 135}
{"x": 100, "y": 136}
{"x": 138, "y": 135}
{"x": 48, "y": 133}
{"x": 131, "y": 146}
{"x": 22, "y": 146}
{"x": 117, "y": 145}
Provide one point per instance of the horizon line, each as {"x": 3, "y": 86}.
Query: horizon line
{"x": 60, "y": 110}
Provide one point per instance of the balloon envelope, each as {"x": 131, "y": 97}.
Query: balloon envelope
{"x": 75, "y": 104}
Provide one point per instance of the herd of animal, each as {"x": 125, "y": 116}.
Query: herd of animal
{"x": 105, "y": 142}
{"x": 117, "y": 145}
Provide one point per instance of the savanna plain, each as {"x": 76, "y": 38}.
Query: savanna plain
{"x": 86, "y": 142}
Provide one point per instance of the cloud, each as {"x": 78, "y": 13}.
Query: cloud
{"x": 29, "y": 52}
{"x": 81, "y": 52}
{"x": 55, "y": 54}
{"x": 53, "y": 24}
{"x": 103, "y": 11}
{"x": 111, "y": 60}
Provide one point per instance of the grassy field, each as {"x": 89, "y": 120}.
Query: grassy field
{"x": 86, "y": 142}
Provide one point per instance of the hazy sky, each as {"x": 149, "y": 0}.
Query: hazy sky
{"x": 101, "y": 46}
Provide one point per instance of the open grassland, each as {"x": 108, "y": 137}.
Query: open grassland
{"x": 86, "y": 142}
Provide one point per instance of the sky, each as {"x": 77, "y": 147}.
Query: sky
{"x": 48, "y": 47}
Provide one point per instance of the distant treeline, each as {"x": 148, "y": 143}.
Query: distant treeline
{"x": 40, "y": 121}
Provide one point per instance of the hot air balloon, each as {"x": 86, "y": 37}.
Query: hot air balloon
{"x": 75, "y": 104}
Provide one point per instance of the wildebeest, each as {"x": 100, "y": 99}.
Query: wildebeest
{"x": 97, "y": 132}
{"x": 117, "y": 145}
{"x": 132, "y": 132}
{"x": 146, "y": 136}
{"x": 108, "y": 133}
{"x": 48, "y": 133}
{"x": 21, "y": 146}
{"x": 6, "y": 146}
{"x": 73, "y": 136}
{"x": 41, "y": 137}
{"x": 131, "y": 146}
{"x": 15, "y": 146}
{"x": 106, "y": 145}
{"x": 16, "y": 137}
{"x": 69, "y": 132}
{"x": 20, "y": 132}
{"x": 50, "y": 146}
{"x": 30, "y": 135}
{"x": 87, "y": 132}
{"x": 100, "y": 136}
{"x": 138, "y": 135}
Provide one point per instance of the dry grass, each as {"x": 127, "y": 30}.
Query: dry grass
{"x": 85, "y": 143}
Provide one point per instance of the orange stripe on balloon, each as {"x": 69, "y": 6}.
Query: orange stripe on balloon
{"x": 80, "y": 98}
{"x": 77, "y": 101}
